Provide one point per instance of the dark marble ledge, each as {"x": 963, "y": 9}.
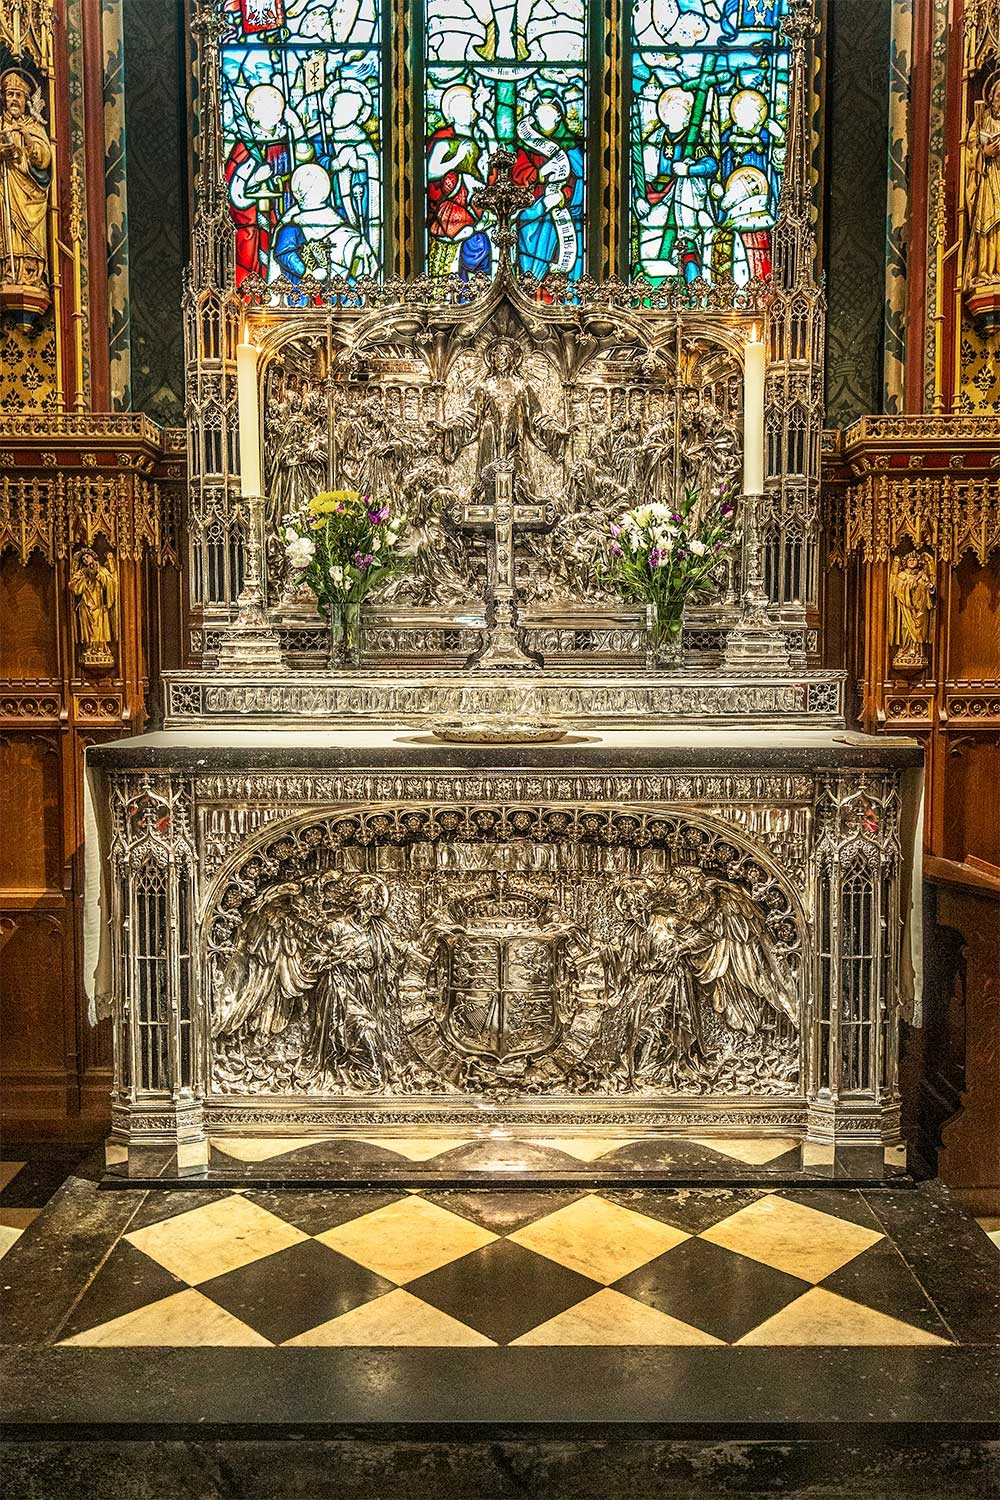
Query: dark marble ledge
{"x": 711, "y": 751}
{"x": 723, "y": 1392}
{"x": 605, "y": 1467}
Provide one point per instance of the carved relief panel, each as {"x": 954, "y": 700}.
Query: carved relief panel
{"x": 503, "y": 951}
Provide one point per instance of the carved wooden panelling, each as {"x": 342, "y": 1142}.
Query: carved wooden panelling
{"x": 30, "y": 813}
{"x": 28, "y": 623}
{"x": 32, "y": 1004}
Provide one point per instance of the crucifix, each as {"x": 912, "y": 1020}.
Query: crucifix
{"x": 505, "y": 419}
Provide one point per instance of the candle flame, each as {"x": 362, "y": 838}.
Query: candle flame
{"x": 755, "y": 334}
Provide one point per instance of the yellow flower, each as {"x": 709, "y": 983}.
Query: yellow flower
{"x": 328, "y": 501}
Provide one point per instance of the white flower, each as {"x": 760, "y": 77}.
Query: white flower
{"x": 376, "y": 544}
{"x": 301, "y": 551}
{"x": 337, "y": 574}
{"x": 291, "y": 535}
{"x": 698, "y": 548}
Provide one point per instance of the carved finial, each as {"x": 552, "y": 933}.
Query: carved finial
{"x": 801, "y": 23}
{"x": 208, "y": 23}
{"x": 504, "y": 200}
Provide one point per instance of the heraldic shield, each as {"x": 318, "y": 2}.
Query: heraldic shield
{"x": 502, "y": 987}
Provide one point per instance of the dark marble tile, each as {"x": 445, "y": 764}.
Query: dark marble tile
{"x": 944, "y": 1247}
{"x": 713, "y": 1289}
{"x": 42, "y": 1174}
{"x": 503, "y": 1290}
{"x": 692, "y": 1208}
{"x": 296, "y": 1289}
{"x": 500, "y": 1211}
{"x": 880, "y": 1278}
{"x": 44, "y": 1273}
{"x": 312, "y": 1161}
{"x": 504, "y": 1156}
{"x": 314, "y": 1212}
{"x": 672, "y": 1154}
{"x": 127, "y": 1281}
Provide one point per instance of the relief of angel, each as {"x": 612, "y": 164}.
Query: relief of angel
{"x": 694, "y": 946}
{"x": 318, "y": 953}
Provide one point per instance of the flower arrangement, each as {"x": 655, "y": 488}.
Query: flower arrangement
{"x": 342, "y": 546}
{"x": 663, "y": 554}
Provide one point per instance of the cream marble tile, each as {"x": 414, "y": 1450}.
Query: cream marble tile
{"x": 599, "y": 1239}
{"x": 416, "y": 1148}
{"x": 18, "y": 1218}
{"x": 406, "y": 1239}
{"x": 755, "y": 1153}
{"x": 791, "y": 1237}
{"x": 8, "y": 1171}
{"x": 216, "y": 1238}
{"x": 264, "y": 1148}
{"x": 396, "y": 1320}
{"x": 822, "y": 1317}
{"x": 991, "y": 1227}
{"x": 586, "y": 1148}
{"x": 8, "y": 1238}
{"x": 608, "y": 1317}
{"x": 186, "y": 1320}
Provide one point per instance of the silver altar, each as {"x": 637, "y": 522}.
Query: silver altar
{"x": 315, "y": 916}
{"x": 356, "y": 930}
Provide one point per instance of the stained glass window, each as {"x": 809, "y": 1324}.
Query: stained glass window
{"x": 301, "y": 108}
{"x": 505, "y": 75}
{"x": 707, "y": 136}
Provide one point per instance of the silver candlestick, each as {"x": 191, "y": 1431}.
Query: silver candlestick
{"x": 250, "y": 642}
{"x": 757, "y": 640}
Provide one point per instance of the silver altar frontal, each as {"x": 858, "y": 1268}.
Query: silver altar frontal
{"x": 328, "y": 899}
{"x": 647, "y": 931}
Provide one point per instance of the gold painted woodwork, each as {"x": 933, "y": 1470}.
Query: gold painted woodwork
{"x": 113, "y": 482}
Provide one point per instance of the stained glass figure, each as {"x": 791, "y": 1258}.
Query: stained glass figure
{"x": 301, "y": 85}
{"x": 505, "y": 75}
{"x": 707, "y": 135}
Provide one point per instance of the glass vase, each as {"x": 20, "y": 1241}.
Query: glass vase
{"x": 665, "y": 622}
{"x": 345, "y": 636}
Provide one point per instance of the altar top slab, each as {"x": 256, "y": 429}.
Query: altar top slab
{"x": 409, "y": 746}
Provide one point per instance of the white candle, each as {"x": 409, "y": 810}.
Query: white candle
{"x": 249, "y": 417}
{"x": 753, "y": 416}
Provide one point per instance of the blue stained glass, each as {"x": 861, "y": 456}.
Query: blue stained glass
{"x": 301, "y": 92}
{"x": 707, "y": 136}
{"x": 505, "y": 75}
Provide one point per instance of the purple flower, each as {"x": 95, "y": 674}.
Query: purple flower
{"x": 728, "y": 509}
{"x": 654, "y": 557}
{"x": 680, "y": 552}
{"x": 361, "y": 560}
{"x": 616, "y": 551}
{"x": 676, "y": 517}
{"x": 376, "y": 517}
{"x": 615, "y": 530}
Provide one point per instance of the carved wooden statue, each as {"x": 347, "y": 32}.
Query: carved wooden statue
{"x": 982, "y": 261}
{"x": 911, "y": 589}
{"x": 25, "y": 178}
{"x": 95, "y": 586}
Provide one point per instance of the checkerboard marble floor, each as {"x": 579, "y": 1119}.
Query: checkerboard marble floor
{"x": 477, "y": 1268}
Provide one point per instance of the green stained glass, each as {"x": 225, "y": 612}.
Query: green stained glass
{"x": 514, "y": 76}
{"x": 301, "y": 92}
{"x": 708, "y": 119}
